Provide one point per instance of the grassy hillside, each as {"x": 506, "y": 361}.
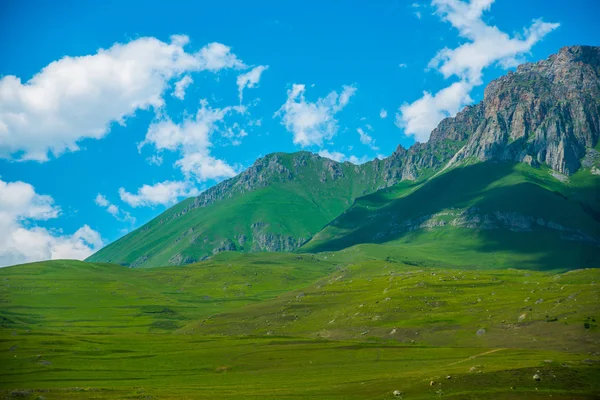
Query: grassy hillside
{"x": 486, "y": 214}
{"x": 428, "y": 307}
{"x": 74, "y": 296}
{"x": 278, "y": 215}
{"x": 296, "y": 326}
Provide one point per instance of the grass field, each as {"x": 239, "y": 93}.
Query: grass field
{"x": 290, "y": 326}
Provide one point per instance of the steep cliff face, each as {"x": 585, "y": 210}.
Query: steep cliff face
{"x": 544, "y": 113}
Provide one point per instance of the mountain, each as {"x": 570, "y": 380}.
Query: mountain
{"x": 275, "y": 205}
{"x": 516, "y": 172}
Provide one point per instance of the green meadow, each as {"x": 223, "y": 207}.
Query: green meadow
{"x": 356, "y": 324}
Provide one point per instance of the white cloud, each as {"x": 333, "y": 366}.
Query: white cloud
{"x": 358, "y": 160}
{"x": 180, "y": 87}
{"x": 333, "y": 155}
{"x": 341, "y": 157}
{"x": 402, "y": 65}
{"x": 163, "y": 193}
{"x": 365, "y": 138}
{"x": 383, "y": 113}
{"x": 416, "y": 13}
{"x": 80, "y": 97}
{"x": 422, "y": 116}
{"x": 250, "y": 79}
{"x": 101, "y": 200}
{"x": 155, "y": 159}
{"x": 22, "y": 241}
{"x": 113, "y": 210}
{"x": 192, "y": 139}
{"x": 312, "y": 123}
{"x": 485, "y": 45}
{"x": 216, "y": 56}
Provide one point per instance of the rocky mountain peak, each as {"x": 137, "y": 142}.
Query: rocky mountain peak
{"x": 546, "y": 112}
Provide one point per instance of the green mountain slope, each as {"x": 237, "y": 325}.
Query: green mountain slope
{"x": 276, "y": 205}
{"x": 544, "y": 115}
{"x": 474, "y": 213}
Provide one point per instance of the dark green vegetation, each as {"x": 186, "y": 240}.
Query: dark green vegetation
{"x": 518, "y": 216}
{"x": 296, "y": 326}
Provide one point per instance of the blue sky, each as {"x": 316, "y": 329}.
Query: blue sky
{"x": 96, "y": 144}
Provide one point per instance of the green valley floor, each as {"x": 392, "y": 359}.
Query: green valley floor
{"x": 340, "y": 325}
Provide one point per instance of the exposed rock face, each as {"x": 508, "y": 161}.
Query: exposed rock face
{"x": 225, "y": 245}
{"x": 473, "y": 218}
{"x": 544, "y": 113}
{"x": 266, "y": 241}
{"x": 180, "y": 259}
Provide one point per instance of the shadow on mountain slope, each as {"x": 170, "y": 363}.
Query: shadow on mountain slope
{"x": 485, "y": 207}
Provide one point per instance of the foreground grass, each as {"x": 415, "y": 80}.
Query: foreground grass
{"x": 176, "y": 366}
{"x": 290, "y": 326}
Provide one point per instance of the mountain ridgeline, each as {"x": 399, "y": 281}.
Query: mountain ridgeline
{"x": 518, "y": 171}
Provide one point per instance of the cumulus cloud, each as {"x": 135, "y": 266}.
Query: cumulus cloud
{"x": 192, "y": 139}
{"x": 365, "y": 138}
{"x": 312, "y": 123}
{"x": 358, "y": 160}
{"x": 163, "y": 193}
{"x": 333, "y": 155}
{"x": 422, "y": 116}
{"x": 181, "y": 86}
{"x": 485, "y": 45}
{"x": 341, "y": 157}
{"x": 80, "y": 97}
{"x": 250, "y": 79}
{"x": 21, "y": 240}
{"x": 383, "y": 113}
{"x": 101, "y": 200}
{"x": 113, "y": 210}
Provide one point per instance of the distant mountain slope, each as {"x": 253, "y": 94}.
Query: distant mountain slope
{"x": 275, "y": 205}
{"x": 484, "y": 208}
{"x": 546, "y": 114}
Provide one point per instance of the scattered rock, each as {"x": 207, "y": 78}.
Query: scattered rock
{"x": 480, "y": 332}
{"x": 590, "y": 361}
{"x": 448, "y": 377}
{"x": 476, "y": 368}
{"x": 537, "y": 377}
{"x": 431, "y": 383}
{"x": 397, "y": 393}
{"x": 522, "y": 317}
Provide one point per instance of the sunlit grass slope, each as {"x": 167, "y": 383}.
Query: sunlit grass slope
{"x": 283, "y": 211}
{"x": 74, "y": 296}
